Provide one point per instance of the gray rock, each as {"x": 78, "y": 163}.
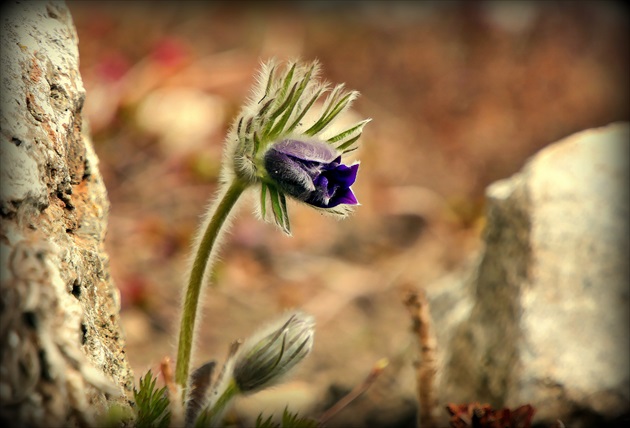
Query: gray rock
{"x": 549, "y": 319}
{"x": 61, "y": 347}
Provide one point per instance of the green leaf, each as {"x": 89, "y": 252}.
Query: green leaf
{"x": 345, "y": 147}
{"x": 277, "y": 129}
{"x": 289, "y": 420}
{"x": 293, "y": 420}
{"x": 287, "y": 80}
{"x": 263, "y": 200}
{"x": 308, "y": 106}
{"x": 265, "y": 107}
{"x": 332, "y": 98}
{"x": 356, "y": 128}
{"x": 277, "y": 112}
{"x": 329, "y": 114}
{"x": 238, "y": 127}
{"x": 279, "y": 206}
{"x": 256, "y": 143}
{"x": 267, "y": 423}
{"x": 285, "y": 213}
{"x": 116, "y": 416}
{"x": 270, "y": 81}
{"x": 151, "y": 406}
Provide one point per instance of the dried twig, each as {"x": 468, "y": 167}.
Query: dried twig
{"x": 426, "y": 368}
{"x": 174, "y": 392}
{"x": 167, "y": 375}
{"x": 356, "y": 392}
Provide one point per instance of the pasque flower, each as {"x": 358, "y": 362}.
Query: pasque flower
{"x": 278, "y": 143}
{"x": 282, "y": 143}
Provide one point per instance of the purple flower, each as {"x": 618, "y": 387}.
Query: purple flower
{"x": 312, "y": 172}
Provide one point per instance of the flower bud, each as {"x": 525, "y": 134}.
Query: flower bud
{"x": 263, "y": 360}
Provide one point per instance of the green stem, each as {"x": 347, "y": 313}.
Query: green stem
{"x": 191, "y": 300}
{"x": 230, "y": 392}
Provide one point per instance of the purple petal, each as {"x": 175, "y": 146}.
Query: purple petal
{"x": 311, "y": 172}
{"x": 344, "y": 175}
{"x": 344, "y": 196}
{"x": 308, "y": 151}
{"x": 295, "y": 179}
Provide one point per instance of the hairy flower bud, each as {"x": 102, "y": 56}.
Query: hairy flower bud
{"x": 266, "y": 358}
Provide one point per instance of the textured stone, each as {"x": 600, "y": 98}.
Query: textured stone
{"x": 549, "y": 315}
{"x": 62, "y": 352}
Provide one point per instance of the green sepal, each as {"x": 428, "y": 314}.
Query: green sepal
{"x": 308, "y": 106}
{"x": 329, "y": 114}
{"x": 270, "y": 81}
{"x": 287, "y": 80}
{"x": 277, "y": 112}
{"x": 256, "y": 143}
{"x": 263, "y": 201}
{"x": 347, "y": 146}
{"x": 295, "y": 97}
{"x": 279, "y": 206}
{"x": 342, "y": 135}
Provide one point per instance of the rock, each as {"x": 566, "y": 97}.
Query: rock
{"x": 549, "y": 314}
{"x": 61, "y": 358}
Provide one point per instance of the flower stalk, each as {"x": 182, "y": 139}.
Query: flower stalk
{"x": 197, "y": 273}
{"x": 211, "y": 416}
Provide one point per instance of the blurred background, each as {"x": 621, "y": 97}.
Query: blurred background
{"x": 461, "y": 94}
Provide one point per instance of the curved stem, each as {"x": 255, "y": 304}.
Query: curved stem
{"x": 191, "y": 300}
{"x": 219, "y": 407}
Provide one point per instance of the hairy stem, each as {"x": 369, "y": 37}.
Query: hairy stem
{"x": 191, "y": 300}
{"x": 218, "y": 408}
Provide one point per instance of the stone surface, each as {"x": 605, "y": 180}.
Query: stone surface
{"x": 544, "y": 316}
{"x": 61, "y": 357}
